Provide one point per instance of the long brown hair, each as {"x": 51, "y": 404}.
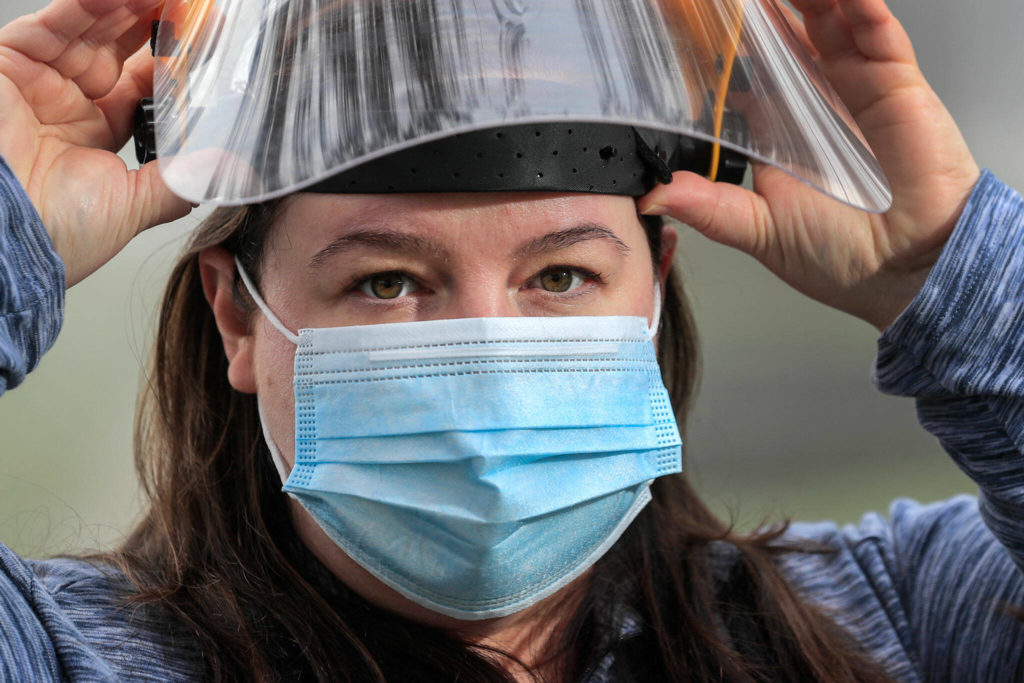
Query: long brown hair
{"x": 217, "y": 554}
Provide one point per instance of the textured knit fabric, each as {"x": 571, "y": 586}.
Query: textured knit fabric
{"x": 31, "y": 284}
{"x": 925, "y": 591}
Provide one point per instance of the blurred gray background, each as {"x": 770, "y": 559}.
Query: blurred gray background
{"x": 787, "y": 424}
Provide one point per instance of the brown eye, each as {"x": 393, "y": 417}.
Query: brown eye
{"x": 388, "y": 286}
{"x": 560, "y": 280}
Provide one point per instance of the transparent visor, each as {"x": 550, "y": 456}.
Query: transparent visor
{"x": 259, "y": 98}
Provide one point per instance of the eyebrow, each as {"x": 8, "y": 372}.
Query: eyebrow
{"x": 395, "y": 241}
{"x": 379, "y": 240}
{"x": 562, "y": 239}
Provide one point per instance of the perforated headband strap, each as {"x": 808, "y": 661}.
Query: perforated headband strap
{"x": 274, "y": 320}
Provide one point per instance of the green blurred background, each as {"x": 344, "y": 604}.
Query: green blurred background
{"x": 787, "y": 424}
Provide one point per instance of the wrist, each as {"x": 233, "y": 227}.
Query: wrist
{"x": 901, "y": 279}
{"x": 894, "y": 295}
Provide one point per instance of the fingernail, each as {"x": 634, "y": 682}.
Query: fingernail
{"x": 655, "y": 210}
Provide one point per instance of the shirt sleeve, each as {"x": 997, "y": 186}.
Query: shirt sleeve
{"x": 959, "y": 351}
{"x": 955, "y": 567}
{"x": 31, "y": 284}
{"x": 38, "y": 642}
{"x": 25, "y": 648}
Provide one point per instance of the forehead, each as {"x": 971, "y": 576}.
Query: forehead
{"x": 470, "y": 220}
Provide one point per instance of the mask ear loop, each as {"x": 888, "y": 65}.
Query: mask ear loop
{"x": 288, "y": 334}
{"x": 275, "y": 453}
{"x": 656, "y": 318}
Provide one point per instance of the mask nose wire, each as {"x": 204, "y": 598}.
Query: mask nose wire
{"x": 274, "y": 320}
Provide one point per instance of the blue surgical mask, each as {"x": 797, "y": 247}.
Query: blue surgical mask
{"x": 477, "y": 465}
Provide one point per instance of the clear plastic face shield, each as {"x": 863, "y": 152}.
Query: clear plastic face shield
{"x": 255, "y": 99}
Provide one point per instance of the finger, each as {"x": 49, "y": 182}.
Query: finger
{"x": 152, "y": 203}
{"x": 119, "y": 105}
{"x": 45, "y": 35}
{"x": 796, "y": 24}
{"x": 862, "y": 28}
{"x": 52, "y": 99}
{"x": 877, "y": 33}
{"x": 826, "y": 28}
{"x": 727, "y": 214}
{"x": 868, "y": 60}
{"x": 56, "y": 34}
{"x": 94, "y": 60}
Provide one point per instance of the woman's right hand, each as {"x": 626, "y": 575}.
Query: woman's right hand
{"x": 70, "y": 77}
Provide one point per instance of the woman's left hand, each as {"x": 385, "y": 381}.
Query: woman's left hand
{"x": 867, "y": 265}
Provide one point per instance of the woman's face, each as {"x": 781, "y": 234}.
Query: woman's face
{"x": 338, "y": 260}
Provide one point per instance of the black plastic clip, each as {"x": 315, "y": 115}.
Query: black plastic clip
{"x": 163, "y": 44}
{"x": 144, "y": 129}
{"x": 732, "y": 165}
{"x": 695, "y": 155}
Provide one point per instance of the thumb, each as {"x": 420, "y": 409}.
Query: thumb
{"x": 154, "y": 203}
{"x": 725, "y": 213}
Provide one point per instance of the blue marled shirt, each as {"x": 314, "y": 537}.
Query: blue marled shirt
{"x": 923, "y": 590}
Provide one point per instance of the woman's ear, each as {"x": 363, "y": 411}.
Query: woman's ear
{"x": 669, "y": 240}
{"x": 217, "y": 270}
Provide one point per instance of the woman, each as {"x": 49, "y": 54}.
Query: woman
{"x": 227, "y": 578}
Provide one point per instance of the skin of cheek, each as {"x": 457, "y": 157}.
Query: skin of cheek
{"x": 274, "y": 355}
{"x": 274, "y": 359}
